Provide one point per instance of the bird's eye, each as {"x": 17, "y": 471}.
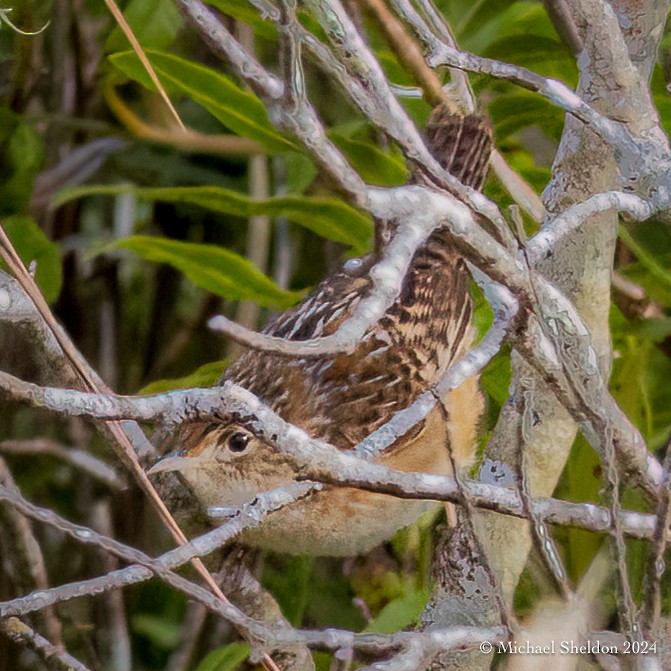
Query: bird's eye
{"x": 238, "y": 441}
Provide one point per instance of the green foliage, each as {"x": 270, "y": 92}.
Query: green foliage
{"x": 376, "y": 166}
{"x": 162, "y": 632}
{"x": 294, "y": 581}
{"x": 237, "y": 109}
{"x": 496, "y": 378}
{"x": 327, "y": 217}
{"x": 21, "y": 155}
{"x": 155, "y": 23}
{"x": 33, "y": 245}
{"x": 228, "y": 658}
{"x": 212, "y": 268}
{"x": 291, "y": 579}
{"x": 400, "y": 613}
{"x": 193, "y": 211}
{"x": 514, "y": 111}
{"x": 653, "y": 260}
{"x": 243, "y": 11}
{"x": 205, "y": 376}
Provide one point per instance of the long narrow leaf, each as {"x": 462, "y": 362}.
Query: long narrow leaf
{"x": 237, "y": 109}
{"x": 212, "y": 268}
{"x": 327, "y": 217}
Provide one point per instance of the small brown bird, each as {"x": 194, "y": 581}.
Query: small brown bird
{"x": 341, "y": 399}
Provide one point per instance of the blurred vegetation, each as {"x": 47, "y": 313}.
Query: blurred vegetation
{"x": 137, "y": 242}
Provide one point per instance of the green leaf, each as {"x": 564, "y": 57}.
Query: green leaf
{"x": 323, "y": 661}
{"x": 489, "y": 21}
{"x": 292, "y": 582}
{"x": 241, "y": 10}
{"x": 212, "y": 268}
{"x": 395, "y": 72}
{"x": 31, "y": 245}
{"x": 154, "y": 22}
{"x": 239, "y": 110}
{"x": 160, "y": 631}
{"x": 512, "y": 112}
{"x": 373, "y": 164}
{"x": 496, "y": 378}
{"x": 300, "y": 171}
{"x": 646, "y": 257}
{"x": 471, "y": 17}
{"x": 228, "y": 658}
{"x": 399, "y": 613}
{"x": 656, "y": 330}
{"x": 205, "y": 376}
{"x": 21, "y": 155}
{"x": 327, "y": 217}
{"x": 544, "y": 55}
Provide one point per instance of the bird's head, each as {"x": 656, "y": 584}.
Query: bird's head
{"x": 225, "y": 464}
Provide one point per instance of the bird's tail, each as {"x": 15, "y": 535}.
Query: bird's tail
{"x": 461, "y": 144}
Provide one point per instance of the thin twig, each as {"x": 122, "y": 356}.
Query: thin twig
{"x": 437, "y": 24}
{"x": 144, "y": 568}
{"x": 318, "y": 460}
{"x": 24, "y": 556}
{"x": 124, "y": 447}
{"x": 118, "y": 640}
{"x": 441, "y": 53}
{"x": 305, "y": 126}
{"x": 539, "y": 530}
{"x": 408, "y": 53}
{"x": 518, "y": 188}
{"x": 652, "y": 599}
{"x": 137, "y": 48}
{"x": 54, "y": 655}
{"x": 84, "y": 461}
{"x": 468, "y": 507}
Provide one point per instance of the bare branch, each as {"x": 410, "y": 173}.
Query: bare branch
{"x": 249, "y": 516}
{"x": 24, "y": 556}
{"x": 556, "y": 92}
{"x": 22, "y": 634}
{"x": 95, "y": 467}
{"x": 652, "y": 603}
{"x": 317, "y": 460}
{"x": 124, "y": 436}
{"x": 304, "y": 123}
{"x": 542, "y": 244}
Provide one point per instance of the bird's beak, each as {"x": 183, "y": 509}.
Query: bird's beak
{"x": 172, "y": 463}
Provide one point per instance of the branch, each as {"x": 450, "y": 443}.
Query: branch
{"x": 84, "y": 461}
{"x": 51, "y": 654}
{"x": 303, "y": 123}
{"x": 24, "y": 559}
{"x": 380, "y": 105}
{"x": 125, "y": 437}
{"x": 386, "y": 280}
{"x": 441, "y": 53}
{"x": 317, "y": 460}
{"x": 652, "y": 602}
{"x": 542, "y": 244}
{"x": 249, "y": 515}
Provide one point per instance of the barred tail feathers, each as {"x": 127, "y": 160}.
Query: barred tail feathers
{"x": 461, "y": 144}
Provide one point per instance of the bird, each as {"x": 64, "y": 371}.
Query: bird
{"x": 343, "y": 398}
